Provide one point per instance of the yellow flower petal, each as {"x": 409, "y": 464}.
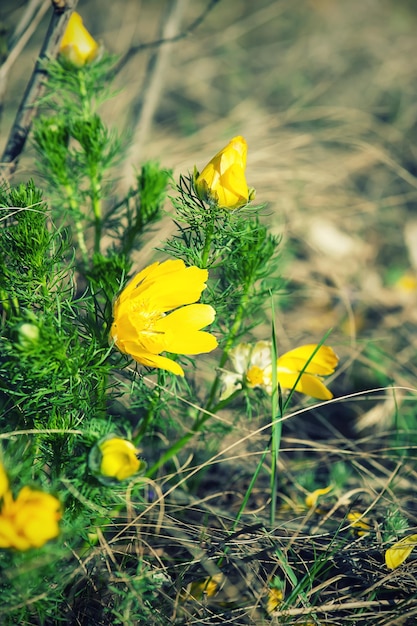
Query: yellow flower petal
{"x": 311, "y": 498}
{"x": 323, "y": 362}
{"x": 307, "y": 384}
{"x": 156, "y": 360}
{"x": 77, "y": 45}
{"x": 164, "y": 286}
{"x": 400, "y": 551}
{"x": 182, "y": 329}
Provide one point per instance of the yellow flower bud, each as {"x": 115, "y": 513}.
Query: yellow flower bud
{"x": 77, "y": 45}
{"x": 118, "y": 458}
{"x": 222, "y": 182}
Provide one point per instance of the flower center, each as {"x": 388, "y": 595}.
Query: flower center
{"x": 254, "y": 376}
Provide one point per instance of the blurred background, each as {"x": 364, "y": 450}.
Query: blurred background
{"x": 325, "y": 93}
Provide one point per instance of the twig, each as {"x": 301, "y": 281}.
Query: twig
{"x": 25, "y": 21}
{"x": 151, "y": 90}
{"x": 165, "y": 39}
{"x": 34, "y": 13}
{"x": 28, "y": 105}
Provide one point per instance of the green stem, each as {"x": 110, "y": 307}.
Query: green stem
{"x": 85, "y": 101}
{"x": 204, "y": 415}
{"x": 207, "y": 244}
{"x": 96, "y": 203}
{"x": 236, "y": 326}
{"x": 79, "y": 227}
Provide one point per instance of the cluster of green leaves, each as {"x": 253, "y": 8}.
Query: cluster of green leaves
{"x": 60, "y": 380}
{"x": 62, "y": 387}
{"x": 239, "y": 251}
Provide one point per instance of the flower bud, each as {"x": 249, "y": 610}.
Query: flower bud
{"x": 115, "y": 458}
{"x": 222, "y": 182}
{"x": 77, "y": 45}
{"x": 28, "y": 335}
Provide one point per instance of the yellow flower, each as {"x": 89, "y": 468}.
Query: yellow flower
{"x": 223, "y": 181}
{"x": 29, "y": 521}
{"x": 141, "y": 327}
{"x": 77, "y": 45}
{"x": 118, "y": 458}
{"x": 400, "y": 551}
{"x": 253, "y": 368}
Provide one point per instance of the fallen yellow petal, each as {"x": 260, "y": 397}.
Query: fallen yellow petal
{"x": 311, "y": 499}
{"x": 400, "y": 551}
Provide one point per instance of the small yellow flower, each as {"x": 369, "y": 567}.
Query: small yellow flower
{"x": 312, "y": 498}
{"x": 141, "y": 326}
{"x": 118, "y": 458}
{"x": 77, "y": 45}
{"x": 253, "y": 368}
{"x": 223, "y": 181}
{"x": 400, "y": 551}
{"x": 29, "y": 521}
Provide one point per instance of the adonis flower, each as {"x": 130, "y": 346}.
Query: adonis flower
{"x": 223, "y": 181}
{"x": 118, "y": 458}
{"x": 77, "y": 45}
{"x": 29, "y": 521}
{"x": 253, "y": 368}
{"x": 141, "y": 326}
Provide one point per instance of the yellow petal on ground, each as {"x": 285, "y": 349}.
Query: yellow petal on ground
{"x": 400, "y": 551}
{"x": 308, "y": 384}
{"x": 311, "y": 498}
{"x": 359, "y": 522}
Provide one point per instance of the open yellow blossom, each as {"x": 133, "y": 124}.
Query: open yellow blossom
{"x": 253, "y": 368}
{"x": 400, "y": 551}
{"x": 141, "y": 326}
{"x": 77, "y": 45}
{"x": 223, "y": 181}
{"x": 29, "y": 521}
{"x": 118, "y": 458}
